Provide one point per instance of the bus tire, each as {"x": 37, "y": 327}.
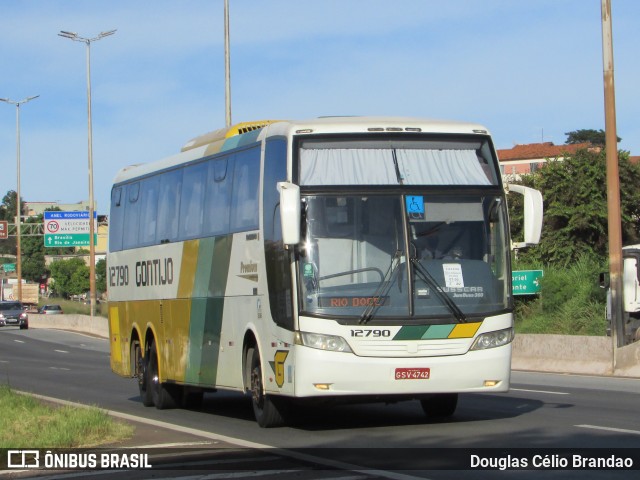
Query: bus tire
{"x": 440, "y": 404}
{"x": 140, "y": 364}
{"x": 268, "y": 409}
{"x": 162, "y": 394}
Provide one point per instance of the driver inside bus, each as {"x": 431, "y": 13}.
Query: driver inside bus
{"x": 431, "y": 251}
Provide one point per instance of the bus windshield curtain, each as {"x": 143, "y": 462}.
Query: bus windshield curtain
{"x": 360, "y": 166}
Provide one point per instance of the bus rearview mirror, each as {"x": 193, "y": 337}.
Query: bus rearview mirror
{"x": 533, "y": 212}
{"x": 290, "y": 212}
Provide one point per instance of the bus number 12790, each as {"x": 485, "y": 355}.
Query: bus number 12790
{"x": 370, "y": 333}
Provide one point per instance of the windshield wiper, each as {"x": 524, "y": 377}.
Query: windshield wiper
{"x": 382, "y": 290}
{"x": 427, "y": 278}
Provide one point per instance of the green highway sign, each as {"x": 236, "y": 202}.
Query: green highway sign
{"x": 526, "y": 282}
{"x": 71, "y": 240}
{"x": 68, "y": 229}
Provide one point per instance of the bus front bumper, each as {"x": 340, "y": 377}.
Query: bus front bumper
{"x": 320, "y": 373}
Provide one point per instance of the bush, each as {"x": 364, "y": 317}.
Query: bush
{"x": 570, "y": 301}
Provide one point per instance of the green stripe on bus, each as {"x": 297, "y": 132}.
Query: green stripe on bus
{"x": 204, "y": 335}
{"x": 207, "y": 308}
{"x": 411, "y": 332}
{"x": 436, "y": 332}
{"x": 220, "y": 266}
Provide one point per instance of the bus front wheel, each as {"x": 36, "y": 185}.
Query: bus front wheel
{"x": 266, "y": 408}
{"x": 440, "y": 405}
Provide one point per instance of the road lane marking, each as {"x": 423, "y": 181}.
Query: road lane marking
{"x": 61, "y": 351}
{"x": 538, "y": 391}
{"x": 19, "y": 341}
{"x": 610, "y": 429}
{"x": 235, "y": 441}
{"x": 222, "y": 461}
{"x": 261, "y": 473}
{"x": 176, "y": 445}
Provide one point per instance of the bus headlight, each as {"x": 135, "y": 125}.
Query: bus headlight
{"x": 330, "y": 343}
{"x": 493, "y": 339}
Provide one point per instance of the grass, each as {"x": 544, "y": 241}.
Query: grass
{"x": 71, "y": 307}
{"x": 26, "y": 422}
{"x": 570, "y": 302}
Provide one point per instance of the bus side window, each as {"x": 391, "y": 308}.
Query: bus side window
{"x": 244, "y": 203}
{"x": 169, "y": 206}
{"x": 116, "y": 220}
{"x": 217, "y": 203}
{"x": 131, "y": 216}
{"x": 192, "y": 199}
{"x": 277, "y": 261}
{"x": 148, "y": 211}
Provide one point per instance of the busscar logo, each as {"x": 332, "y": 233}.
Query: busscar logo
{"x": 249, "y": 271}
{"x": 23, "y": 459}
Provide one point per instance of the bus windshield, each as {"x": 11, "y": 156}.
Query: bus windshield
{"x": 397, "y": 256}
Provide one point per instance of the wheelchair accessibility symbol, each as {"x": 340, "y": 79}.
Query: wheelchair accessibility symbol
{"x": 415, "y": 207}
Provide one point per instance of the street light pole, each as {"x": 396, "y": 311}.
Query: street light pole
{"x": 19, "y": 203}
{"x": 92, "y": 247}
{"x": 227, "y": 66}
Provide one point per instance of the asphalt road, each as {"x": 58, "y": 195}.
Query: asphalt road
{"x": 542, "y": 411}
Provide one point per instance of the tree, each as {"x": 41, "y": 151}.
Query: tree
{"x": 8, "y": 207}
{"x": 101, "y": 275}
{"x": 594, "y": 137}
{"x": 575, "y": 202}
{"x": 70, "y": 277}
{"x": 32, "y": 253}
{"x": 8, "y": 213}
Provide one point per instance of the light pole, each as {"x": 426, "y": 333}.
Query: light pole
{"x": 19, "y": 203}
{"x": 92, "y": 247}
{"x": 227, "y": 66}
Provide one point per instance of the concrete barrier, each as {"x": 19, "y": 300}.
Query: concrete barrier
{"x": 573, "y": 354}
{"x": 98, "y": 326}
{"x": 576, "y": 354}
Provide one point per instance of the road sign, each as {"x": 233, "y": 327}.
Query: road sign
{"x": 526, "y": 282}
{"x": 4, "y": 230}
{"x": 68, "y": 229}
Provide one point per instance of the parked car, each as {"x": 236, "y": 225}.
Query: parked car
{"x": 12, "y": 313}
{"x": 50, "y": 310}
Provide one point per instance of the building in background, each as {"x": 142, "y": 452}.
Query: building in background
{"x": 524, "y": 159}
{"x": 36, "y": 208}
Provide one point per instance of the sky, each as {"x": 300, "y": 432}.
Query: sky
{"x": 530, "y": 71}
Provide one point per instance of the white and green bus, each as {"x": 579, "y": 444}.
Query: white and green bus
{"x": 334, "y": 259}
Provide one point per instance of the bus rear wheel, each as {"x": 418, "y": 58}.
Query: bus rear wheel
{"x": 440, "y": 404}
{"x": 268, "y": 409}
{"x": 162, "y": 394}
{"x": 141, "y": 369}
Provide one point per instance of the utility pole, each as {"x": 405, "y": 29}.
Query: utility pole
{"x": 227, "y": 66}
{"x": 613, "y": 183}
{"x": 92, "y": 247}
{"x": 18, "y": 199}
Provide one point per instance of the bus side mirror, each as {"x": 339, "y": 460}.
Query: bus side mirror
{"x": 290, "y": 212}
{"x": 533, "y": 210}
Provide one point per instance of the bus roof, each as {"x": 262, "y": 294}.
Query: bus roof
{"x": 374, "y": 124}
{"x": 249, "y": 132}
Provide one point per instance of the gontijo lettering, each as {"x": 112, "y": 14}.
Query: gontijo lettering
{"x": 158, "y": 271}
